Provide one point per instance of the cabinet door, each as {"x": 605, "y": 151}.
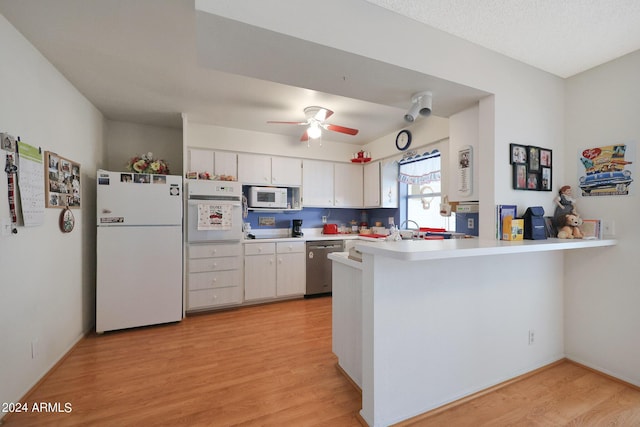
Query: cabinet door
{"x": 389, "y": 184}
{"x": 200, "y": 161}
{"x": 259, "y": 277}
{"x": 372, "y": 184}
{"x": 348, "y": 190}
{"x": 226, "y": 164}
{"x": 317, "y": 183}
{"x": 286, "y": 171}
{"x": 254, "y": 169}
{"x": 291, "y": 274}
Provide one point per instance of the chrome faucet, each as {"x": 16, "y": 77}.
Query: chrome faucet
{"x": 408, "y": 221}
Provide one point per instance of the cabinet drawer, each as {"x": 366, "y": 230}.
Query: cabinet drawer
{"x": 214, "y": 297}
{"x": 214, "y": 279}
{"x": 209, "y": 251}
{"x": 290, "y": 247}
{"x": 213, "y": 264}
{"x": 259, "y": 248}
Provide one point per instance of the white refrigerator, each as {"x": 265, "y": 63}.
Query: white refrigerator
{"x": 139, "y": 250}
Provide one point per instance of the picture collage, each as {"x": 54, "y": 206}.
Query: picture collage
{"x": 531, "y": 167}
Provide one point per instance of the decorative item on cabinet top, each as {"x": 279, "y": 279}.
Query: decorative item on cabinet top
{"x": 361, "y": 157}
{"x": 145, "y": 163}
{"x": 209, "y": 177}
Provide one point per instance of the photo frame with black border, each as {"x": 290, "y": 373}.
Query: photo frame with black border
{"x": 533, "y": 181}
{"x": 519, "y": 176}
{"x": 546, "y": 179}
{"x": 517, "y": 153}
{"x": 545, "y": 157}
{"x": 533, "y": 157}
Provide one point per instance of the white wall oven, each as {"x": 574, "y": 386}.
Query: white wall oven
{"x": 214, "y": 211}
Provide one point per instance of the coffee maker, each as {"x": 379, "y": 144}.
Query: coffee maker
{"x": 296, "y": 228}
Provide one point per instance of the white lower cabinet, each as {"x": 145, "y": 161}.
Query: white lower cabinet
{"x": 214, "y": 275}
{"x": 291, "y": 272}
{"x": 259, "y": 271}
{"x": 273, "y": 270}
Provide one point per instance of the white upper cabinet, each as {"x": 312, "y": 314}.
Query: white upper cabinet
{"x": 328, "y": 184}
{"x": 254, "y": 169}
{"x": 259, "y": 169}
{"x": 348, "y": 187}
{"x": 381, "y": 184}
{"x": 226, "y": 164}
{"x": 372, "y": 184}
{"x": 317, "y": 183}
{"x": 286, "y": 171}
{"x": 213, "y": 162}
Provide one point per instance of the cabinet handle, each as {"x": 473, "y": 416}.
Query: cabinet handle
{"x": 215, "y": 264}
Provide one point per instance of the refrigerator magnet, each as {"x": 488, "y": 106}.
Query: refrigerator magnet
{"x": 67, "y": 220}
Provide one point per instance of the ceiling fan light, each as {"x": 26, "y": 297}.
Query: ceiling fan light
{"x": 314, "y": 131}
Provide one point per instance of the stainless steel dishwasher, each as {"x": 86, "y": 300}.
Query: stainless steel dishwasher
{"x": 319, "y": 266}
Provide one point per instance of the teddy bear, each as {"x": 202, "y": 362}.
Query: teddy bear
{"x": 570, "y": 229}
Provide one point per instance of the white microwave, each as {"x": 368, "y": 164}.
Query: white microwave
{"x": 267, "y": 197}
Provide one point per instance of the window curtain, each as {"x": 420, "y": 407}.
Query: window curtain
{"x": 422, "y": 170}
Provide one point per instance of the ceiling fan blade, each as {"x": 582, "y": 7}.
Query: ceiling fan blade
{"x": 287, "y": 123}
{"x": 304, "y": 137}
{"x": 341, "y": 129}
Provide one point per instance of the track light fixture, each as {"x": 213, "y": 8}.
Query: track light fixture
{"x": 420, "y": 104}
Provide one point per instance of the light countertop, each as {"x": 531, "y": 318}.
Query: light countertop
{"x": 417, "y": 250}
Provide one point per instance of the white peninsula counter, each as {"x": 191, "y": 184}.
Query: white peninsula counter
{"x": 419, "y": 324}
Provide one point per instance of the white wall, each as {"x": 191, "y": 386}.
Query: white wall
{"x": 48, "y": 278}
{"x": 602, "y": 296}
{"x": 125, "y": 140}
{"x": 198, "y": 135}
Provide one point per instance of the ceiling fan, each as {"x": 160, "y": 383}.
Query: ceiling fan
{"x": 316, "y": 117}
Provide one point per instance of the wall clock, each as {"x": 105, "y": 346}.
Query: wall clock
{"x": 67, "y": 220}
{"x": 403, "y": 140}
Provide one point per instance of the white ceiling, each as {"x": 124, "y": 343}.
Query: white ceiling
{"x": 134, "y": 66}
{"x": 563, "y": 37}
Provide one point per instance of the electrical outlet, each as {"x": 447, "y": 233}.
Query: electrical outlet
{"x": 391, "y": 221}
{"x": 608, "y": 228}
{"x": 324, "y": 219}
{"x": 471, "y": 223}
{"x": 532, "y": 336}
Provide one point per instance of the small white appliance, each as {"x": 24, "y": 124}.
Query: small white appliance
{"x": 214, "y": 211}
{"x": 139, "y": 250}
{"x": 267, "y": 197}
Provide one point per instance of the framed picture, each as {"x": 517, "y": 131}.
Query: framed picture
{"x": 533, "y": 155}
{"x": 545, "y": 183}
{"x": 533, "y": 181}
{"x": 545, "y": 158}
{"x": 519, "y": 176}
{"x": 62, "y": 182}
{"x": 517, "y": 153}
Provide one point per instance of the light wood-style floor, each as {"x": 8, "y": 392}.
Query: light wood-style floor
{"x": 272, "y": 365}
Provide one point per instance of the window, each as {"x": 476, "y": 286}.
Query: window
{"x": 421, "y": 192}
